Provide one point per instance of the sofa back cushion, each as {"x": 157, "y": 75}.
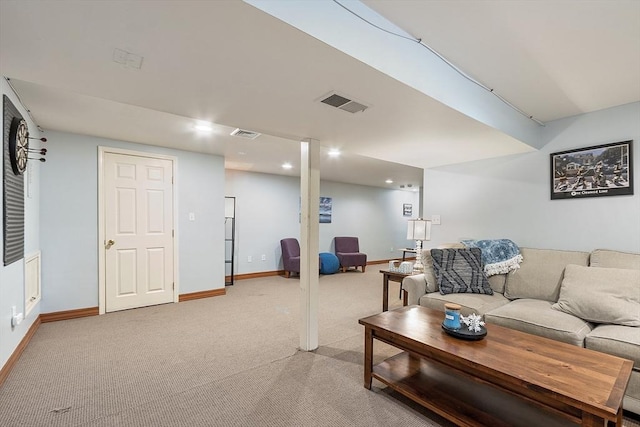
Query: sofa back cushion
{"x": 497, "y": 282}
{"x": 601, "y": 295}
{"x": 541, "y": 273}
{"x": 614, "y": 259}
{"x": 429, "y": 274}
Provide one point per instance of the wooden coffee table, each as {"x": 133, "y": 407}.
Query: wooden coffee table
{"x": 506, "y": 379}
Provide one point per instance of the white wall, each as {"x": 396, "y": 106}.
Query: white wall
{"x": 268, "y": 206}
{"x": 509, "y": 197}
{"x": 12, "y": 276}
{"x": 69, "y": 232}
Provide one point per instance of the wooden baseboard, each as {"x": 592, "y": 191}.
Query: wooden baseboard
{"x": 282, "y": 272}
{"x": 69, "y": 314}
{"x": 202, "y": 294}
{"x": 6, "y": 369}
{"x": 259, "y": 274}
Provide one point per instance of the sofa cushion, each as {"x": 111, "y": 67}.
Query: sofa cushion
{"x": 621, "y": 341}
{"x": 614, "y": 259}
{"x": 601, "y": 295}
{"x": 540, "y": 273}
{"x": 497, "y": 282}
{"x": 460, "y": 271}
{"x": 538, "y": 318}
{"x": 470, "y": 303}
{"x": 429, "y": 273}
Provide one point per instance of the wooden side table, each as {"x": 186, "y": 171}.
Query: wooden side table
{"x": 393, "y": 276}
{"x": 405, "y": 251}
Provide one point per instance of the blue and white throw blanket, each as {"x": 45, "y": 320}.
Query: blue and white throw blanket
{"x": 500, "y": 256}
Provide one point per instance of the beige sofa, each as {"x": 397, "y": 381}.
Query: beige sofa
{"x": 524, "y": 300}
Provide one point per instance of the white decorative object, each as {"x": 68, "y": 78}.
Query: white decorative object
{"x": 406, "y": 267}
{"x": 473, "y": 321}
{"x": 393, "y": 265}
{"x": 418, "y": 230}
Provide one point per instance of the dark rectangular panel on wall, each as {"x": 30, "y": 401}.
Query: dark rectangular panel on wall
{"x": 13, "y": 193}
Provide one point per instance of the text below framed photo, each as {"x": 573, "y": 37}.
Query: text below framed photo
{"x": 407, "y": 209}
{"x": 597, "y": 171}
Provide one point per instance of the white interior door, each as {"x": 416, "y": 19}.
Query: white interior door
{"x": 138, "y": 218}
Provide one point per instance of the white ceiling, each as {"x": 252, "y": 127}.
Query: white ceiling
{"x": 231, "y": 64}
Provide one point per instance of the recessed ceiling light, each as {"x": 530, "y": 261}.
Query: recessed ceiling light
{"x": 242, "y": 153}
{"x": 287, "y": 165}
{"x": 203, "y": 127}
{"x": 334, "y": 152}
{"x": 389, "y": 181}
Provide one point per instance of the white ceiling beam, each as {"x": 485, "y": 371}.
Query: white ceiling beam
{"x": 400, "y": 58}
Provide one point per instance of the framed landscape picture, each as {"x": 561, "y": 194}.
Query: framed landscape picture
{"x": 598, "y": 171}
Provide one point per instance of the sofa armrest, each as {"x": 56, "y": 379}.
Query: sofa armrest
{"x": 415, "y": 286}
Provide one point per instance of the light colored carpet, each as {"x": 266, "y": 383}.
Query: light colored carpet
{"x": 223, "y": 361}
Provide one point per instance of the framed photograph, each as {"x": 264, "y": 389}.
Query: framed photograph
{"x": 598, "y": 171}
{"x": 326, "y": 207}
{"x": 407, "y": 209}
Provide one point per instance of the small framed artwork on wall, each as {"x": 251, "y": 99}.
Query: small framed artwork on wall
{"x": 597, "y": 171}
{"x": 407, "y": 209}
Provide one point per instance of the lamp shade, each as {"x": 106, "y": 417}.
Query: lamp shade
{"x": 419, "y": 229}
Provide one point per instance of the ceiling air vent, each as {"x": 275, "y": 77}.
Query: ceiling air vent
{"x": 343, "y": 103}
{"x": 245, "y": 133}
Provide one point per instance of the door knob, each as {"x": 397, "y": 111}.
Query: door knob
{"x": 109, "y": 244}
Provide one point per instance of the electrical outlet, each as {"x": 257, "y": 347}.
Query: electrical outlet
{"x": 435, "y": 219}
{"x": 391, "y": 250}
{"x": 192, "y": 216}
{"x": 264, "y": 257}
{"x": 249, "y": 259}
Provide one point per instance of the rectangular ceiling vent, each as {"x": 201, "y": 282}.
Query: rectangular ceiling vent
{"x": 245, "y": 133}
{"x": 343, "y": 103}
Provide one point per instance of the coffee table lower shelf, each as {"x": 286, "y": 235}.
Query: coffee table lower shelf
{"x": 459, "y": 399}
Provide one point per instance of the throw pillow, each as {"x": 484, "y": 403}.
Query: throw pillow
{"x": 460, "y": 271}
{"x": 601, "y": 295}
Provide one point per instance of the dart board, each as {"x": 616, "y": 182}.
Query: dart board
{"x": 18, "y": 145}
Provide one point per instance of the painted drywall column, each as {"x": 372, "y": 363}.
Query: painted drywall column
{"x": 309, "y": 240}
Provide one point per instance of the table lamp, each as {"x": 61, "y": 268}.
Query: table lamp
{"x": 418, "y": 230}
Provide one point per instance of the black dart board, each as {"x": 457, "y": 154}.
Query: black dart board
{"x": 18, "y": 145}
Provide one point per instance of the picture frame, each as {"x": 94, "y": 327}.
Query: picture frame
{"x": 595, "y": 171}
{"x": 326, "y": 208}
{"x": 407, "y": 209}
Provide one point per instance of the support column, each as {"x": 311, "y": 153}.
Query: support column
{"x": 309, "y": 242}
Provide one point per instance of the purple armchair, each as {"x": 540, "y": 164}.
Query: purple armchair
{"x": 348, "y": 253}
{"x": 290, "y": 256}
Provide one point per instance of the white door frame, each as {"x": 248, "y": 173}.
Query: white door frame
{"x": 101, "y": 220}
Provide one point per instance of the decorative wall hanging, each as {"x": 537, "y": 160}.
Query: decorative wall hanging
{"x": 325, "y": 210}
{"x": 597, "y": 171}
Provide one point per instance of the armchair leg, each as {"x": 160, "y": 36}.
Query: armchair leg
{"x": 363, "y": 268}
{"x": 287, "y": 274}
